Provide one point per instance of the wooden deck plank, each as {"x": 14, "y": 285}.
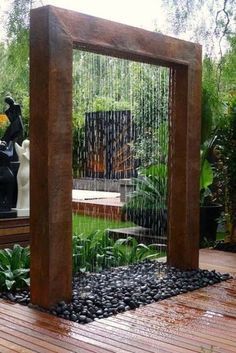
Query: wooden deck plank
{"x": 14, "y": 231}
{"x": 33, "y": 329}
{"x": 5, "y": 346}
{"x": 13, "y": 337}
{"x": 44, "y": 320}
{"x": 36, "y": 337}
{"x": 218, "y": 260}
{"x": 82, "y": 335}
{"x": 186, "y": 323}
{"x": 181, "y": 336}
{"x": 62, "y": 329}
{"x": 10, "y": 347}
{"x": 162, "y": 324}
{"x": 152, "y": 338}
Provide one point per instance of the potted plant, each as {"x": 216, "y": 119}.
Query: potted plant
{"x": 210, "y": 209}
{"x": 228, "y": 147}
{"x": 147, "y": 203}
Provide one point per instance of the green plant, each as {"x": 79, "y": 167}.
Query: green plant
{"x": 97, "y": 251}
{"x": 91, "y": 252}
{"x": 14, "y": 268}
{"x": 206, "y": 172}
{"x": 147, "y": 204}
{"x": 151, "y": 145}
{"x": 228, "y": 144}
{"x": 150, "y": 189}
{"x": 211, "y": 106}
{"x": 128, "y": 251}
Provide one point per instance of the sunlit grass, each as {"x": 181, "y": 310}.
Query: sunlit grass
{"x": 87, "y": 224}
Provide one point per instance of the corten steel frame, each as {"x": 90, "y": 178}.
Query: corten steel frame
{"x": 54, "y": 33}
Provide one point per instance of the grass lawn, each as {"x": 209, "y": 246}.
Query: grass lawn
{"x": 87, "y": 224}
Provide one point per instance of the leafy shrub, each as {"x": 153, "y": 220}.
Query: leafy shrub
{"x": 91, "y": 252}
{"x": 150, "y": 189}
{"x": 128, "y": 251}
{"x": 147, "y": 204}
{"x": 97, "y": 251}
{"x": 14, "y": 268}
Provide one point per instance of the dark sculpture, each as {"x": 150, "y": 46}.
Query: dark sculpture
{"x": 9, "y": 163}
{"x": 15, "y": 130}
{"x": 7, "y": 181}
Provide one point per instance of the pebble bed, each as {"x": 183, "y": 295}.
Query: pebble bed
{"x": 100, "y": 295}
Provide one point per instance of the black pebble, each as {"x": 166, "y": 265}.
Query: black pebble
{"x": 101, "y": 295}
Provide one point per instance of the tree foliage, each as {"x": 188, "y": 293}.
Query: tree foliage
{"x": 208, "y": 22}
{"x": 18, "y": 19}
{"x": 94, "y": 90}
{"x": 15, "y": 57}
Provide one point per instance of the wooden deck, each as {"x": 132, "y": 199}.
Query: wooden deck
{"x": 14, "y": 231}
{"x": 203, "y": 321}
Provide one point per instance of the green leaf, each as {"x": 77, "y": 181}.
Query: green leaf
{"x": 9, "y": 274}
{"x": 82, "y": 269}
{"x": 4, "y": 259}
{"x": 156, "y": 170}
{"x": 8, "y": 252}
{"x": 27, "y": 281}
{"x": 9, "y": 284}
{"x": 152, "y": 256}
{"x": 206, "y": 176}
{"x": 21, "y": 271}
{"x": 16, "y": 257}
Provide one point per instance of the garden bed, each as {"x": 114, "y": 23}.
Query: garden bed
{"x": 103, "y": 294}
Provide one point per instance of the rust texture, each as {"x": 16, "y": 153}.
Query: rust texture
{"x": 51, "y": 145}
{"x": 54, "y": 34}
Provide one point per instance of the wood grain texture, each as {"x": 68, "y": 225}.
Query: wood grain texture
{"x": 51, "y": 166}
{"x": 115, "y": 39}
{"x": 54, "y": 34}
{"x": 14, "y": 231}
{"x": 186, "y": 323}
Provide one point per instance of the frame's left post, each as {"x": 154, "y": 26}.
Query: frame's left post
{"x": 51, "y": 159}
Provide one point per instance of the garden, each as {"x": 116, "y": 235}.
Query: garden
{"x": 123, "y": 128}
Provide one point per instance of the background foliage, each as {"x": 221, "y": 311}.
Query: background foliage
{"x": 215, "y": 29}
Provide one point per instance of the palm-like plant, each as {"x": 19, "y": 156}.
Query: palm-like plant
{"x": 206, "y": 171}
{"x": 148, "y": 203}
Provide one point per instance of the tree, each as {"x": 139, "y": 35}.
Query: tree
{"x": 208, "y": 22}
{"x": 14, "y": 58}
{"x": 228, "y": 77}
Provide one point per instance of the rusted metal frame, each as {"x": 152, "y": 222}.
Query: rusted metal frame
{"x": 54, "y": 34}
{"x": 51, "y": 166}
{"x": 115, "y": 39}
{"x": 183, "y": 206}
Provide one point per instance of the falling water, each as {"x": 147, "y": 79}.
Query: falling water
{"x": 120, "y": 143}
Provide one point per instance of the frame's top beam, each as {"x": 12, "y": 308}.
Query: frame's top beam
{"x": 115, "y": 39}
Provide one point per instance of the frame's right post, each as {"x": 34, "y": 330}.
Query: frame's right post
{"x": 184, "y": 164}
